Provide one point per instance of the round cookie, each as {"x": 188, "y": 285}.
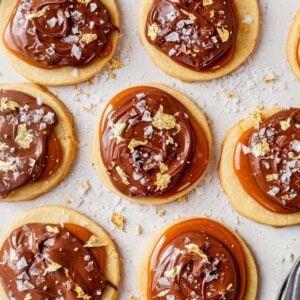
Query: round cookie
{"x": 65, "y": 75}
{"x": 60, "y": 215}
{"x": 293, "y": 46}
{"x": 148, "y": 251}
{"x": 241, "y": 201}
{"x": 192, "y": 109}
{"x": 247, "y": 35}
{"x": 64, "y": 132}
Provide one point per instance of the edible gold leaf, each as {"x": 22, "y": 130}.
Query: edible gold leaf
{"x": 81, "y": 294}
{"x": 6, "y": 104}
{"x": 271, "y": 177}
{"x": 52, "y": 229}
{"x": 162, "y": 181}
{"x": 188, "y": 14}
{"x": 84, "y": 1}
{"x": 257, "y": 117}
{"x": 261, "y": 149}
{"x": 163, "y": 293}
{"x": 285, "y": 198}
{"x": 163, "y": 167}
{"x": 285, "y": 125}
{"x": 171, "y": 274}
{"x": 153, "y": 31}
{"x": 123, "y": 175}
{"x": 162, "y": 120}
{"x": 135, "y": 143}
{"x": 35, "y": 15}
{"x": 28, "y": 297}
{"x": 95, "y": 241}
{"x": 194, "y": 248}
{"x": 88, "y": 37}
{"x": 5, "y": 167}
{"x": 223, "y": 34}
{"x": 23, "y": 138}
{"x": 207, "y": 2}
{"x": 117, "y": 130}
{"x": 118, "y": 220}
{"x": 52, "y": 267}
{"x": 3, "y": 146}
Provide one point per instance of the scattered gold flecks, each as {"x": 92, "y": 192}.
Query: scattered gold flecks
{"x": 6, "y": 166}
{"x": 162, "y": 120}
{"x": 117, "y": 130}
{"x": 271, "y": 177}
{"x": 139, "y": 230}
{"x": 95, "y": 241}
{"x": 229, "y": 287}
{"x": 161, "y": 212}
{"x": 68, "y": 199}
{"x": 34, "y": 15}
{"x": 230, "y": 95}
{"x": 52, "y": 229}
{"x": 23, "y": 138}
{"x": 6, "y": 104}
{"x": 123, "y": 175}
{"x": 52, "y": 267}
{"x": 28, "y": 297}
{"x": 89, "y": 82}
{"x": 171, "y": 274}
{"x": 3, "y": 146}
{"x": 210, "y": 122}
{"x": 131, "y": 297}
{"x": 85, "y": 186}
{"x": 257, "y": 117}
{"x": 212, "y": 13}
{"x": 89, "y": 107}
{"x": 66, "y": 272}
{"x": 285, "y": 198}
{"x": 183, "y": 198}
{"x": 296, "y": 157}
{"x": 223, "y": 34}
{"x": 285, "y": 125}
{"x": 261, "y": 149}
{"x": 81, "y": 294}
{"x": 162, "y": 181}
{"x": 112, "y": 75}
{"x": 188, "y": 14}
{"x": 135, "y": 143}
{"x": 115, "y": 64}
{"x": 119, "y": 221}
{"x": 194, "y": 248}
{"x": 269, "y": 78}
{"x": 88, "y": 37}
{"x": 163, "y": 167}
{"x": 163, "y": 293}
{"x": 208, "y": 2}
{"x": 84, "y": 1}
{"x": 153, "y": 31}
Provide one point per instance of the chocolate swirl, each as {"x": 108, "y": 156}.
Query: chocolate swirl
{"x": 52, "y": 33}
{"x": 195, "y": 265}
{"x": 197, "y": 34}
{"x": 26, "y": 128}
{"x": 273, "y": 153}
{"x": 148, "y": 143}
{"x": 41, "y": 262}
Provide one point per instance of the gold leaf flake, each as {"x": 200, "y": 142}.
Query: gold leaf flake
{"x": 23, "y": 138}
{"x": 52, "y": 267}
{"x": 161, "y": 212}
{"x": 183, "y": 198}
{"x": 261, "y": 149}
{"x": 229, "y": 287}
{"x": 285, "y": 198}
{"x": 119, "y": 221}
{"x": 131, "y": 297}
{"x": 269, "y": 78}
{"x": 163, "y": 167}
{"x": 81, "y": 294}
{"x": 285, "y": 125}
{"x": 112, "y": 75}
{"x": 135, "y": 143}
{"x": 123, "y": 175}
{"x": 257, "y": 117}
{"x": 162, "y": 120}
{"x": 95, "y": 241}
{"x": 230, "y": 95}
{"x": 208, "y": 2}
{"x": 212, "y": 13}
{"x": 210, "y": 122}
{"x": 117, "y": 130}
{"x": 84, "y": 1}
{"x": 115, "y": 64}
{"x": 28, "y": 297}
{"x": 271, "y": 177}
{"x": 223, "y": 34}
{"x": 3, "y": 146}
{"x": 68, "y": 199}
{"x": 171, "y": 274}
{"x": 85, "y": 186}
{"x": 5, "y": 167}
{"x": 5, "y": 104}
{"x": 35, "y": 15}
{"x": 163, "y": 293}
{"x": 162, "y": 181}
{"x": 139, "y": 230}
{"x": 194, "y": 248}
{"x": 188, "y": 14}
{"x": 153, "y": 31}
{"x": 88, "y": 37}
{"x": 52, "y": 229}
{"x": 296, "y": 157}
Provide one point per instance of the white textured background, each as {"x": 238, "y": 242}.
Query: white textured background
{"x": 274, "y": 249}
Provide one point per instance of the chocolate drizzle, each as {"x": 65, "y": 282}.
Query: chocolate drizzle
{"x": 25, "y": 127}
{"x": 197, "y": 34}
{"x": 41, "y": 262}
{"x": 148, "y": 143}
{"x": 53, "y": 33}
{"x": 272, "y": 152}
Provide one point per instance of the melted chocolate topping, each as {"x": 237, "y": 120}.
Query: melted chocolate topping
{"x": 194, "y": 265}
{"x": 48, "y": 262}
{"x": 25, "y": 126}
{"x": 148, "y": 143}
{"x": 52, "y": 33}
{"x": 273, "y": 153}
{"x": 198, "y": 34}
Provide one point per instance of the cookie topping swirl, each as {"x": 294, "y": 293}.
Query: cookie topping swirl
{"x": 26, "y": 129}
{"x": 56, "y": 33}
{"x": 147, "y": 142}
{"x": 199, "y": 34}
{"x": 273, "y": 154}
{"x": 39, "y": 261}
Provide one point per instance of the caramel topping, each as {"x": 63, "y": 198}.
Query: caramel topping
{"x": 199, "y": 34}
{"x": 148, "y": 142}
{"x": 50, "y": 262}
{"x": 267, "y": 162}
{"x": 59, "y": 33}
{"x": 197, "y": 259}
{"x": 26, "y": 141}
